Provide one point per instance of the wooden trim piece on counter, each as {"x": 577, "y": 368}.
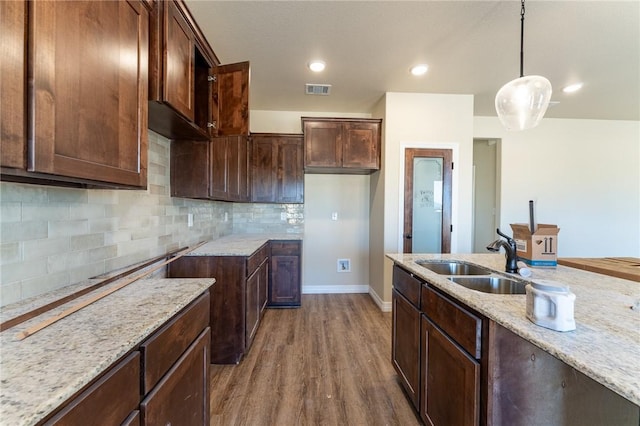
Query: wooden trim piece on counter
{"x": 34, "y": 329}
{"x": 627, "y": 268}
{"x": 44, "y": 308}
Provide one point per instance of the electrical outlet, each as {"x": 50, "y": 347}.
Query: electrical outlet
{"x": 283, "y": 216}
{"x": 344, "y": 265}
{"x": 190, "y": 220}
{"x": 226, "y": 216}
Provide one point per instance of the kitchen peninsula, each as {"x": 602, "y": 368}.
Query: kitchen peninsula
{"x": 527, "y": 369}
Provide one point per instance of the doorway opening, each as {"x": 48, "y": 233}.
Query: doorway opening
{"x": 486, "y": 192}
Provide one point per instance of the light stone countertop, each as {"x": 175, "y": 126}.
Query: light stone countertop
{"x": 41, "y": 372}
{"x": 240, "y": 244}
{"x": 606, "y": 343}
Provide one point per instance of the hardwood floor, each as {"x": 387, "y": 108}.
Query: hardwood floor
{"x": 326, "y": 363}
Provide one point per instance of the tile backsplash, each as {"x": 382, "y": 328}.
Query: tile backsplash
{"x": 51, "y": 237}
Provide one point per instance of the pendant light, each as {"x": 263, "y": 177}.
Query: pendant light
{"x": 521, "y": 103}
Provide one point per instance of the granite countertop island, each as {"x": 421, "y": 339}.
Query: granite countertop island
{"x": 606, "y": 343}
{"x": 41, "y": 372}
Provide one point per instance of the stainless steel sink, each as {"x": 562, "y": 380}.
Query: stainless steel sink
{"x": 453, "y": 268}
{"x": 496, "y": 285}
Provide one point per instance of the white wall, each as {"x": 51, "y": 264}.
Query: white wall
{"x": 423, "y": 120}
{"x": 584, "y": 176}
{"x": 325, "y": 240}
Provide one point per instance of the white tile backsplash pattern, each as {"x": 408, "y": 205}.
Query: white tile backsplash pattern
{"x": 51, "y": 237}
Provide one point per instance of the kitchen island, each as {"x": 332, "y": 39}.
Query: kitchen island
{"x": 43, "y": 371}
{"x": 604, "y": 347}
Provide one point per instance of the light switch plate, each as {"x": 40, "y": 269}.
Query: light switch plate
{"x": 334, "y": 216}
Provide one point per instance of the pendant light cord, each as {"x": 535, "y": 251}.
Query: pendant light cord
{"x": 522, "y": 40}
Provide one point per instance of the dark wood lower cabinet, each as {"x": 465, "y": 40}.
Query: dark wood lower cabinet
{"x": 472, "y": 371}
{"x": 256, "y": 284}
{"x": 285, "y": 282}
{"x": 236, "y": 298}
{"x": 169, "y": 372}
{"x": 109, "y": 401}
{"x": 182, "y": 396}
{"x": 528, "y": 383}
{"x": 405, "y": 354}
{"x": 450, "y": 393}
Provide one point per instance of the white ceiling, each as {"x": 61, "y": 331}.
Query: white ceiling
{"x": 472, "y": 47}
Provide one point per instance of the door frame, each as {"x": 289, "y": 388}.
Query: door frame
{"x": 455, "y": 148}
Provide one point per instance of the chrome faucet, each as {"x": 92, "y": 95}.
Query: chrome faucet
{"x": 509, "y": 249}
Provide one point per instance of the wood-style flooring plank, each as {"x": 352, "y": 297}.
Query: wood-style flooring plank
{"x": 326, "y": 363}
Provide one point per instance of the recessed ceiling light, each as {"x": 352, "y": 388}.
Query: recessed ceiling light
{"x": 316, "y": 66}
{"x": 420, "y": 69}
{"x": 572, "y": 88}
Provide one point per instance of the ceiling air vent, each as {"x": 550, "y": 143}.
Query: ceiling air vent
{"x": 317, "y": 89}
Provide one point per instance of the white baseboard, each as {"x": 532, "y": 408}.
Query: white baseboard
{"x": 342, "y": 289}
{"x": 384, "y": 306}
{"x": 334, "y": 289}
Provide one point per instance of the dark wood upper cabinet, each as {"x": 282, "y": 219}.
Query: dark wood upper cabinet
{"x": 216, "y": 170}
{"x": 180, "y": 60}
{"x": 13, "y": 27}
{"x": 229, "y": 168}
{"x": 277, "y": 174}
{"x": 341, "y": 145}
{"x": 191, "y": 95}
{"x": 190, "y": 169}
{"x": 86, "y": 103}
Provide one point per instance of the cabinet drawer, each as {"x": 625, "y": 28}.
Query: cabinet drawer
{"x": 407, "y": 285}
{"x": 160, "y": 351}
{"x": 182, "y": 396}
{"x": 285, "y": 248}
{"x": 257, "y": 258}
{"x": 109, "y": 401}
{"x": 460, "y": 324}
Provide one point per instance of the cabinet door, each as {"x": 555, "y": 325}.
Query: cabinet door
{"x": 361, "y": 145}
{"x": 322, "y": 144}
{"x": 264, "y": 152}
{"x": 89, "y": 95}
{"x": 109, "y": 401}
{"x": 405, "y": 345}
{"x": 230, "y": 105}
{"x": 264, "y": 285}
{"x": 290, "y": 171}
{"x": 182, "y": 396}
{"x": 13, "y": 20}
{"x": 190, "y": 169}
{"x": 238, "y": 168}
{"x": 450, "y": 381}
{"x": 285, "y": 284}
{"x": 218, "y": 164}
{"x": 229, "y": 168}
{"x": 277, "y": 170}
{"x": 252, "y": 306}
{"x": 179, "y": 61}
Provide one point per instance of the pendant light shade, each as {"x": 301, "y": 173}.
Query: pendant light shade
{"x": 521, "y": 103}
